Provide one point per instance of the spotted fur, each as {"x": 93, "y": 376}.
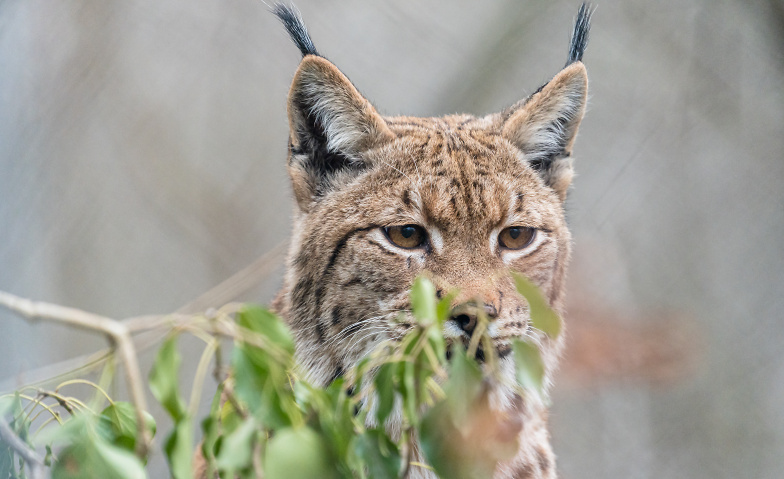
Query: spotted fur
{"x": 460, "y": 177}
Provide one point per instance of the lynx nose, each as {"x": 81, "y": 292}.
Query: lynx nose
{"x": 466, "y": 315}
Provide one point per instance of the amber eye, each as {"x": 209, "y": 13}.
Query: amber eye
{"x": 516, "y": 237}
{"x": 406, "y": 236}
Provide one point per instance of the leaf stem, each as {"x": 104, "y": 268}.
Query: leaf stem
{"x": 86, "y": 382}
{"x": 201, "y": 373}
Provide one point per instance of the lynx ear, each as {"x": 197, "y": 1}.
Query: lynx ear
{"x": 544, "y": 127}
{"x": 331, "y": 125}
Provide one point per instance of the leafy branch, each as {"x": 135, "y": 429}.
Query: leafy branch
{"x": 117, "y": 333}
{"x": 266, "y": 420}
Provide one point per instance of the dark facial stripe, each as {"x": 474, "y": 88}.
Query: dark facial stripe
{"x": 336, "y": 315}
{"x": 407, "y": 198}
{"x": 339, "y": 247}
{"x": 333, "y": 257}
{"x": 320, "y": 331}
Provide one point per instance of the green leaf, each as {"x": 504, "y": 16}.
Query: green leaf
{"x": 337, "y": 422}
{"x": 48, "y": 458}
{"x": 164, "y": 379}
{"x": 385, "y": 391}
{"x": 263, "y": 385}
{"x": 11, "y": 407}
{"x": 73, "y": 462}
{"x": 230, "y": 419}
{"x": 120, "y": 463}
{"x": 360, "y": 370}
{"x": 543, "y": 317}
{"x": 7, "y": 466}
{"x": 179, "y": 450}
{"x": 7, "y": 404}
{"x": 422, "y": 372}
{"x": 408, "y": 391}
{"x": 237, "y": 448}
{"x": 444, "y": 307}
{"x": 75, "y": 426}
{"x": 464, "y": 385}
{"x": 210, "y": 428}
{"x": 378, "y": 453}
{"x": 473, "y": 449}
{"x": 217, "y": 399}
{"x": 529, "y": 365}
{"x": 261, "y": 374}
{"x": 298, "y": 454}
{"x": 447, "y": 451}
{"x": 98, "y": 461}
{"x": 435, "y": 338}
{"x": 264, "y": 322}
{"x": 435, "y": 429}
{"x": 21, "y": 421}
{"x": 423, "y": 300}
{"x": 119, "y": 419}
{"x": 91, "y": 456}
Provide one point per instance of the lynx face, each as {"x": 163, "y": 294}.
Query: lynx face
{"x": 463, "y": 199}
{"x": 449, "y": 197}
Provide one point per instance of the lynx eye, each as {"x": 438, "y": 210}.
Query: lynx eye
{"x": 516, "y": 237}
{"x": 406, "y": 236}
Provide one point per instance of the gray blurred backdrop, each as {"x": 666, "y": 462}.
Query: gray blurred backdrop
{"x": 142, "y": 150}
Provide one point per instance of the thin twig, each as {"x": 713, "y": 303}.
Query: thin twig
{"x": 61, "y": 370}
{"x": 33, "y": 402}
{"x": 201, "y": 372}
{"x": 407, "y": 451}
{"x": 28, "y": 454}
{"x": 117, "y": 333}
{"x": 477, "y": 335}
{"x": 120, "y": 332}
{"x": 217, "y": 370}
{"x": 224, "y": 292}
{"x": 258, "y": 470}
{"x": 88, "y": 383}
{"x": 62, "y": 401}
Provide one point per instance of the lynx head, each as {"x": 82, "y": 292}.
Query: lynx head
{"x": 463, "y": 199}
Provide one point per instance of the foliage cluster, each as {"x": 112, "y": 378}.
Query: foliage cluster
{"x": 268, "y": 421}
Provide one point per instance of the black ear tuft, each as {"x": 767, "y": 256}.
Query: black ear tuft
{"x": 582, "y": 25}
{"x": 290, "y": 16}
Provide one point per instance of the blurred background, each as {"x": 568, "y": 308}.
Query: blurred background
{"x": 142, "y": 152}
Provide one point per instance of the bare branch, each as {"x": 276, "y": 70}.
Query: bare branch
{"x": 116, "y": 331}
{"x": 224, "y": 292}
{"x": 119, "y": 332}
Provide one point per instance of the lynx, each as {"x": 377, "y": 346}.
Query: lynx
{"x": 463, "y": 199}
